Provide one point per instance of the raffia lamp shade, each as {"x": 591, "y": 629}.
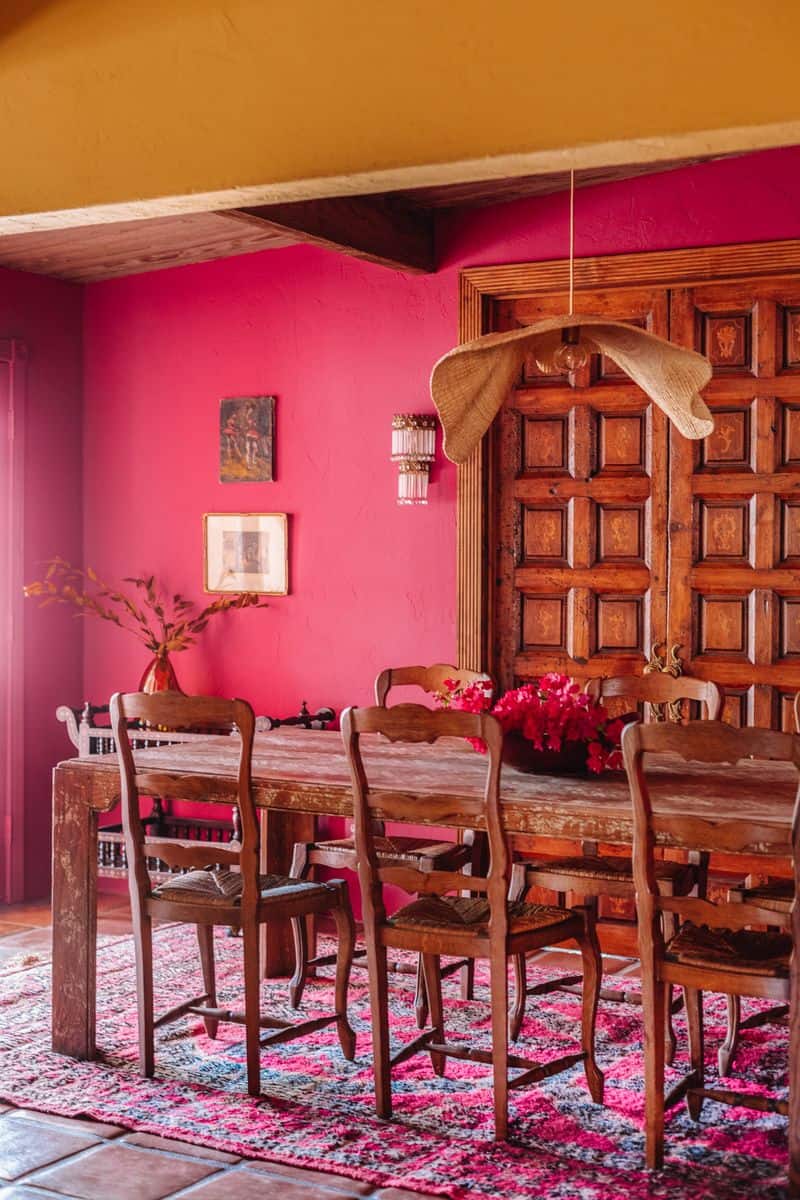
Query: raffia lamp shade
{"x": 470, "y": 383}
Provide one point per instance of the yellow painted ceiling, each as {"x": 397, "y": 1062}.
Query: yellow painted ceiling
{"x": 107, "y": 101}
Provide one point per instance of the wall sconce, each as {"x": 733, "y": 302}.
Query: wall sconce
{"x": 413, "y": 449}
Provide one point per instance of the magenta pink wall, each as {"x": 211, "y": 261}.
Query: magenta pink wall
{"x": 46, "y": 315}
{"x": 343, "y": 345}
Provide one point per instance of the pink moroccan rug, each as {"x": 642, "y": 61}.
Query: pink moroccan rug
{"x": 317, "y": 1110}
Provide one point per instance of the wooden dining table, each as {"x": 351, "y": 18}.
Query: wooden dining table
{"x": 299, "y": 775}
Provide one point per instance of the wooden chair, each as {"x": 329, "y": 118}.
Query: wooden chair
{"x": 233, "y": 894}
{"x": 775, "y": 894}
{"x": 592, "y": 875}
{"x": 714, "y": 949}
{"x": 422, "y": 853}
{"x": 486, "y": 925}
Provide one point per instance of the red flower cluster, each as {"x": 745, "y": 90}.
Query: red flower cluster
{"x": 548, "y": 712}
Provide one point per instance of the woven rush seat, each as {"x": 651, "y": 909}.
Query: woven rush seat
{"x": 777, "y": 895}
{"x": 411, "y": 849}
{"x": 471, "y": 913}
{"x": 744, "y": 950}
{"x": 596, "y": 866}
{"x": 225, "y": 888}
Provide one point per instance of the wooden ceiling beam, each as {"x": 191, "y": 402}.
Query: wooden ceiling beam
{"x": 376, "y": 228}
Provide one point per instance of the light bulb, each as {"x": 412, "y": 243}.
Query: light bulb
{"x": 570, "y": 356}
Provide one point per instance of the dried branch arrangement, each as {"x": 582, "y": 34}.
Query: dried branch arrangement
{"x": 164, "y": 623}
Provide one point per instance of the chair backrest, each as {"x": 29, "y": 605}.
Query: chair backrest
{"x": 429, "y": 679}
{"x": 413, "y": 723}
{"x": 796, "y": 710}
{"x": 660, "y": 688}
{"x": 711, "y": 742}
{"x": 177, "y": 711}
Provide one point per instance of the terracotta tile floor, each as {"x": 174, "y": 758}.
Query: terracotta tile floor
{"x": 45, "y": 1156}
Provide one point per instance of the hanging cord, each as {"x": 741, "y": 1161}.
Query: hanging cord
{"x": 571, "y": 241}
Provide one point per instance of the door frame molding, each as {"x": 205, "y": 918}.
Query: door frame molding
{"x": 479, "y": 289}
{"x": 13, "y": 362}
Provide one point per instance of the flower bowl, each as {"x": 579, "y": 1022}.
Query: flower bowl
{"x": 520, "y": 752}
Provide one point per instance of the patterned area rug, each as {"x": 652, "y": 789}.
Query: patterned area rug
{"x": 317, "y": 1111}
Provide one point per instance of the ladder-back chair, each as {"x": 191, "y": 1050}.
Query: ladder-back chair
{"x": 592, "y": 875}
{"x": 714, "y": 948}
{"x": 483, "y": 925}
{"x": 221, "y": 884}
{"x": 423, "y": 853}
{"x": 772, "y": 893}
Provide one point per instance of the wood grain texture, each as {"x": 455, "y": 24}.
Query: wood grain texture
{"x": 307, "y": 772}
{"x": 93, "y": 252}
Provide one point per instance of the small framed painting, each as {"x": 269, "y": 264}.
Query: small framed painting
{"x": 246, "y": 552}
{"x": 246, "y": 439}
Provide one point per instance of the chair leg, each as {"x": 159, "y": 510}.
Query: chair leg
{"x": 498, "y": 968}
{"x": 379, "y": 1007}
{"x": 143, "y": 942}
{"x": 421, "y": 997}
{"x": 694, "y": 1020}
{"x": 468, "y": 980}
{"x": 345, "y": 938}
{"x": 520, "y": 997}
{"x": 299, "y": 870}
{"x": 592, "y": 962}
{"x": 432, "y": 969}
{"x": 653, "y": 1005}
{"x": 670, "y": 926}
{"x": 252, "y": 1005}
{"x": 727, "y": 1050}
{"x": 205, "y": 940}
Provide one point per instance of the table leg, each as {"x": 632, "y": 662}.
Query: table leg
{"x": 279, "y": 832}
{"x": 74, "y": 918}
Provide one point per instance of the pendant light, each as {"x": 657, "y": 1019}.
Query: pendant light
{"x": 470, "y": 384}
{"x": 571, "y": 353}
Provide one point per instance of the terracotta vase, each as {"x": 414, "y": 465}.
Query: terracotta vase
{"x": 159, "y": 676}
{"x": 520, "y": 753}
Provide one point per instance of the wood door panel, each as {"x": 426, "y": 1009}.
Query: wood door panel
{"x": 734, "y": 507}
{"x": 580, "y": 470}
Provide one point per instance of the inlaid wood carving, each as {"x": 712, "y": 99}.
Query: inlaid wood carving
{"x": 544, "y": 444}
{"x": 727, "y": 340}
{"x": 736, "y": 707}
{"x": 544, "y": 533}
{"x": 791, "y": 337}
{"x": 790, "y": 442}
{"x": 789, "y": 626}
{"x": 620, "y": 442}
{"x": 789, "y": 530}
{"x": 729, "y": 446}
{"x": 722, "y": 625}
{"x": 620, "y": 533}
{"x": 619, "y": 624}
{"x": 544, "y": 622}
{"x": 723, "y": 530}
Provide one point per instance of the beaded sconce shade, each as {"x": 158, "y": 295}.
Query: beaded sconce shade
{"x": 413, "y": 449}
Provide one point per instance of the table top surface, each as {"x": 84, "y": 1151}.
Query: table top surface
{"x": 306, "y": 771}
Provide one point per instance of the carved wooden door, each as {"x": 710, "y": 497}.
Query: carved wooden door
{"x": 734, "y": 501}
{"x": 578, "y": 546}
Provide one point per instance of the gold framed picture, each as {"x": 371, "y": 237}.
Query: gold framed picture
{"x": 246, "y": 552}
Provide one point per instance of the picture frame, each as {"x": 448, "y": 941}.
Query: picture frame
{"x": 246, "y": 552}
{"x": 247, "y": 439}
